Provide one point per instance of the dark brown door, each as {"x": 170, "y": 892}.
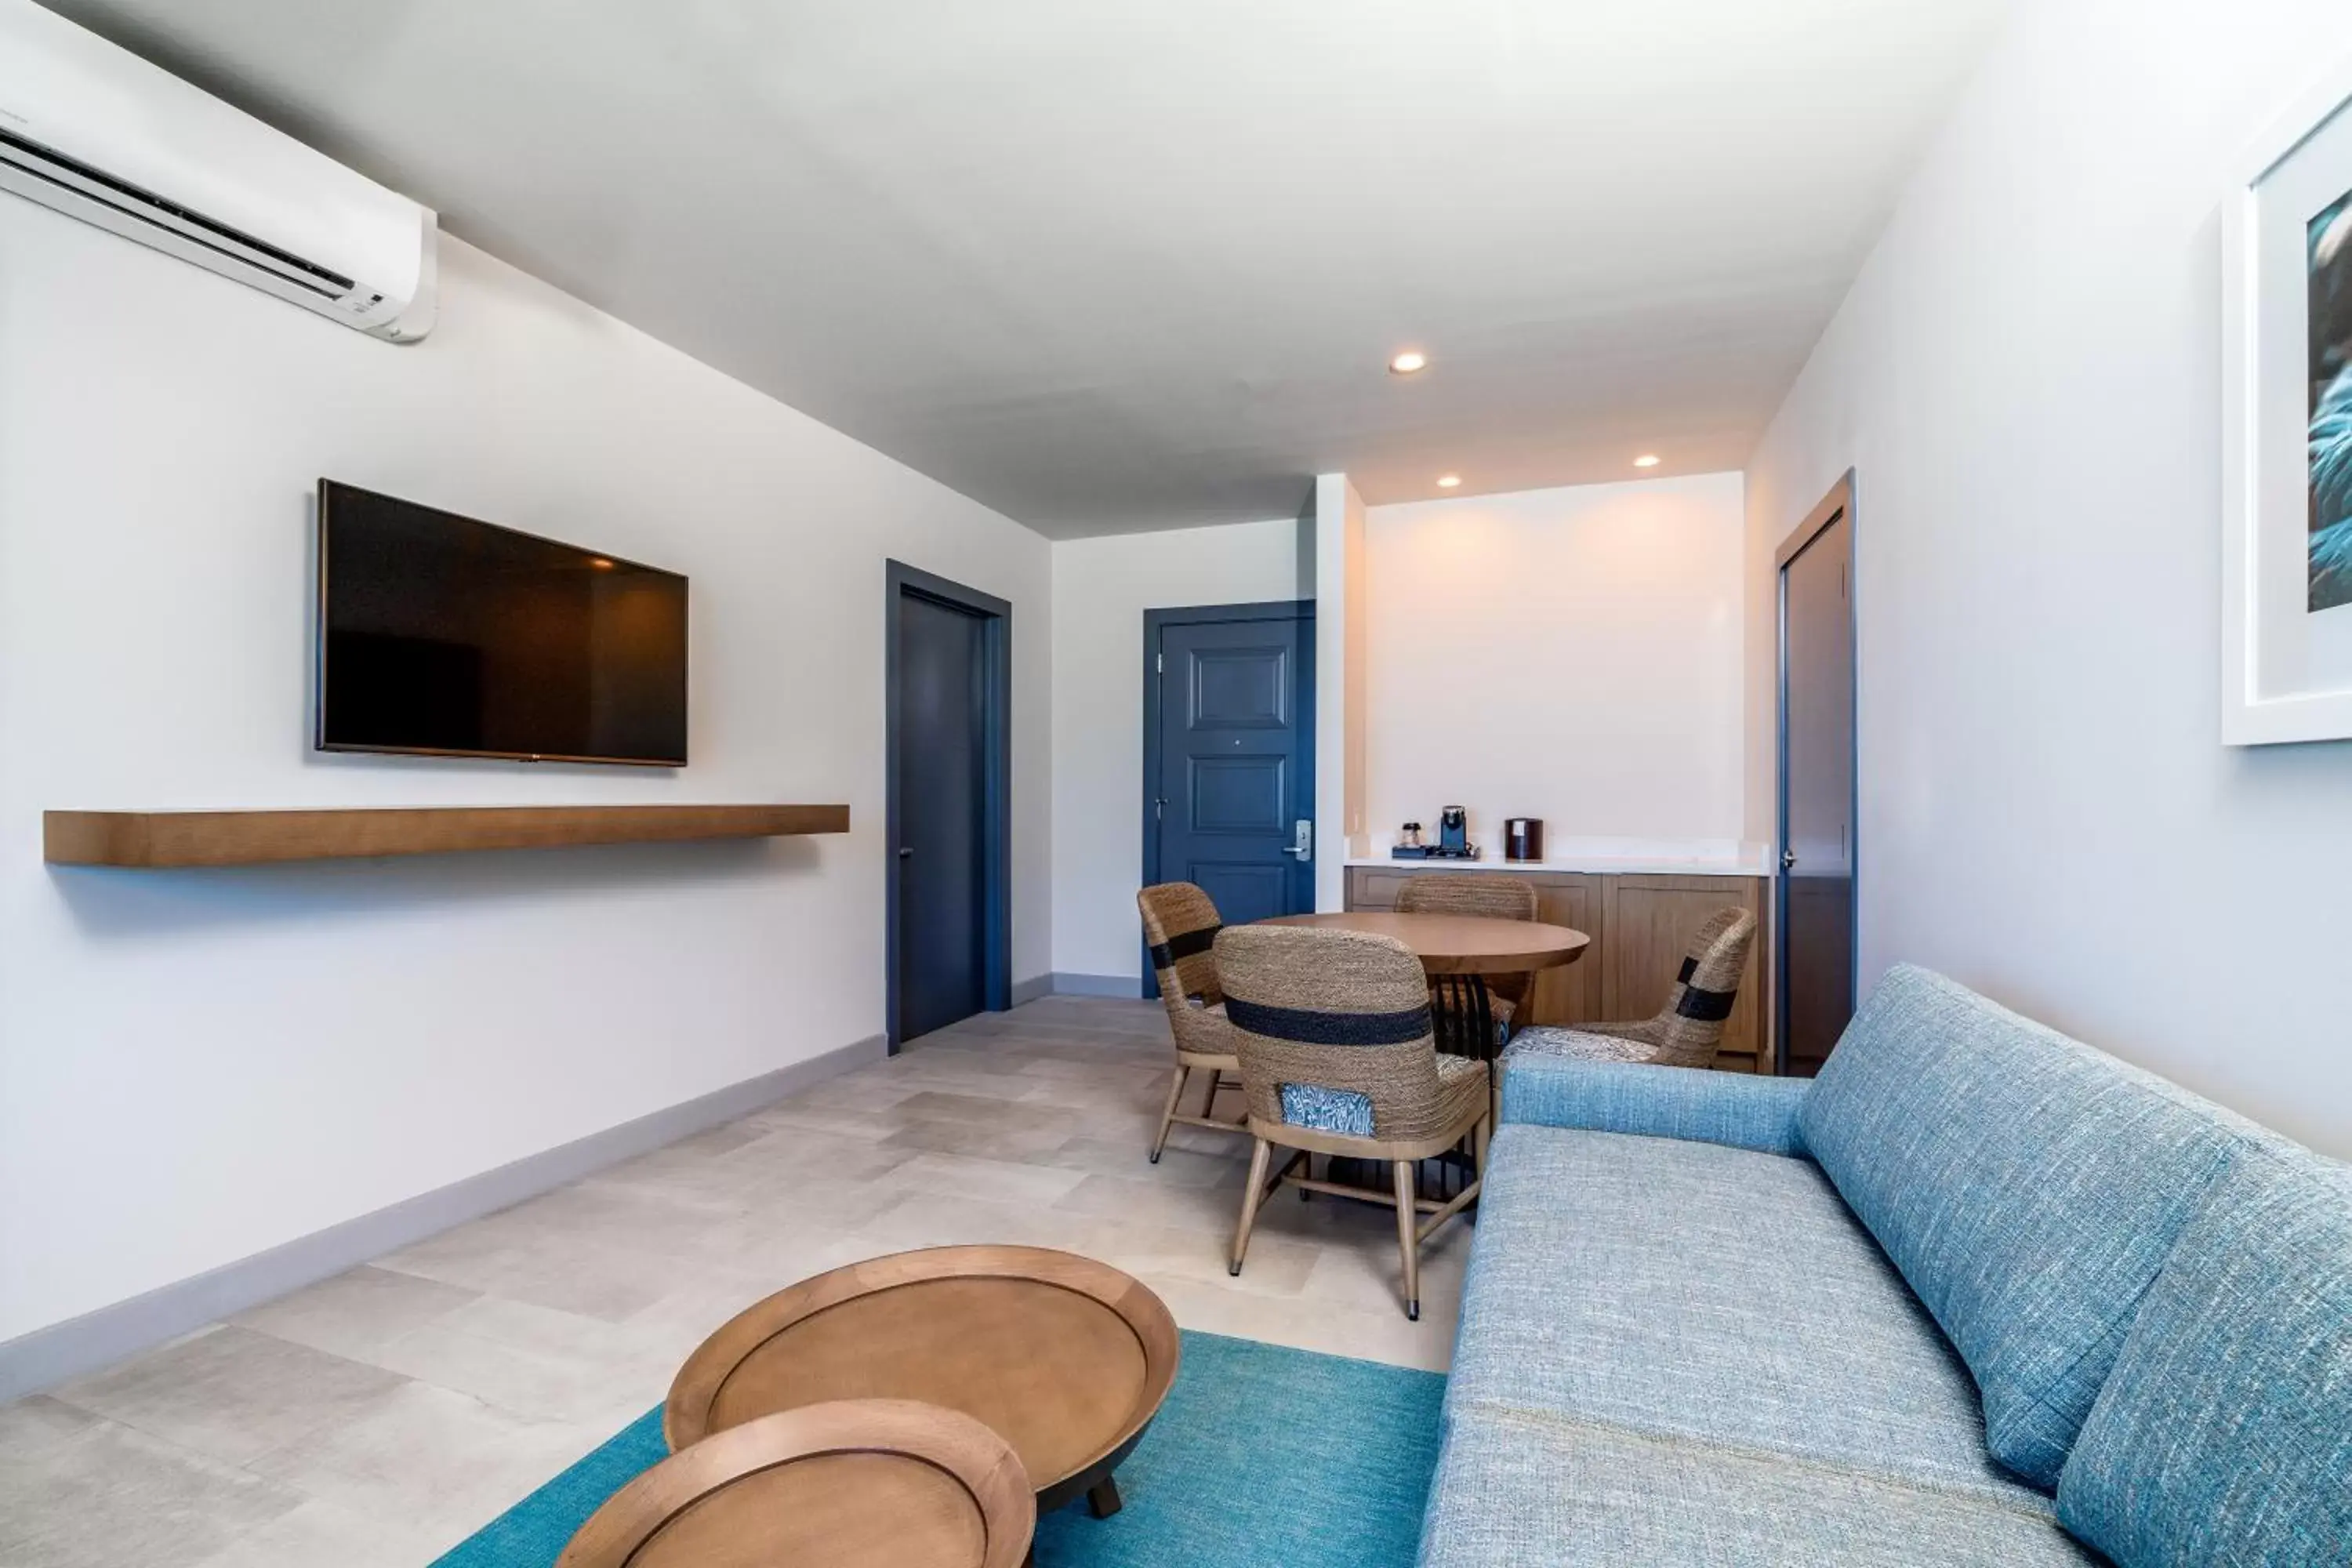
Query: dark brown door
{"x": 1816, "y": 882}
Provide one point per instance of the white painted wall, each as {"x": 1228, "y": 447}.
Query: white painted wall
{"x": 2025, "y": 377}
{"x": 1101, "y": 589}
{"x": 197, "y": 1065}
{"x": 1342, "y": 684}
{"x": 1568, "y": 654}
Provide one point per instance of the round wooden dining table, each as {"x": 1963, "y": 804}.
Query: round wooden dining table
{"x": 1452, "y": 949}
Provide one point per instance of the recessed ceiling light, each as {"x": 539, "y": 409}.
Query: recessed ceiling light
{"x": 1407, "y": 363}
{"x": 599, "y": 563}
{"x": 1646, "y": 461}
{"x": 1449, "y": 481}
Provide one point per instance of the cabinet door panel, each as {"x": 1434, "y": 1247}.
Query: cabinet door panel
{"x": 1373, "y": 889}
{"x": 1651, "y": 923}
{"x": 1570, "y": 993}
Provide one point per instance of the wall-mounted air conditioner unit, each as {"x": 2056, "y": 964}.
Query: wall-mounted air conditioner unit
{"x": 94, "y": 130}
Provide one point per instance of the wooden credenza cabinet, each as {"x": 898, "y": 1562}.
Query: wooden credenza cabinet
{"x": 1641, "y": 925}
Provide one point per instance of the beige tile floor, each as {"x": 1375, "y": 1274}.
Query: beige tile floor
{"x": 376, "y": 1420}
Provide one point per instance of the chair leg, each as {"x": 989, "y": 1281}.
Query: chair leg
{"x": 1483, "y": 1138}
{"x": 1259, "y": 1157}
{"x": 1408, "y": 1239}
{"x": 1209, "y": 1101}
{"x": 1168, "y": 1114}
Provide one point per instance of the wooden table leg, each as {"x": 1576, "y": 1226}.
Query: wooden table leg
{"x": 1102, "y": 1497}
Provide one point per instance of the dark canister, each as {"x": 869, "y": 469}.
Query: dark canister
{"x": 1523, "y": 838}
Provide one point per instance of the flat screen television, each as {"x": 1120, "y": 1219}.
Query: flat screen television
{"x": 442, "y": 637}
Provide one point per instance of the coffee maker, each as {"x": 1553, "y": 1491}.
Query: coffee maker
{"x": 1454, "y": 834}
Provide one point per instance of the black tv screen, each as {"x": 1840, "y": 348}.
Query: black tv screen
{"x": 445, "y": 637}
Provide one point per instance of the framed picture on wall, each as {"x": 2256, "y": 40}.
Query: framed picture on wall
{"x": 2286, "y": 312}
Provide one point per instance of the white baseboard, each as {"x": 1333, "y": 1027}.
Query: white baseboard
{"x": 46, "y": 1357}
{"x": 1029, "y": 990}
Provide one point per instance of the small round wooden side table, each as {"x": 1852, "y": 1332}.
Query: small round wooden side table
{"x": 857, "y": 1483}
{"x": 1066, "y": 1358}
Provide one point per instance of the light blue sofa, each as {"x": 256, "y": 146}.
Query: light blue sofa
{"x": 1978, "y": 1295}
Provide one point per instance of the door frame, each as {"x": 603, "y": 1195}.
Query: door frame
{"x": 995, "y": 616}
{"x": 1303, "y": 692}
{"x": 1838, "y": 503}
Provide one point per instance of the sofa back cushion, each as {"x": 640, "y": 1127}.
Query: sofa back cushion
{"x": 2224, "y": 1434}
{"x": 2027, "y": 1186}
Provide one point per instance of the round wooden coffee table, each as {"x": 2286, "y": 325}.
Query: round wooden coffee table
{"x": 1068, "y": 1358}
{"x": 858, "y": 1483}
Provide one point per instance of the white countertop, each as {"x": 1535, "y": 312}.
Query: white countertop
{"x": 1748, "y": 863}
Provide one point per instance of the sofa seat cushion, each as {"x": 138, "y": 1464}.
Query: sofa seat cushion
{"x": 2027, "y": 1186}
{"x": 1691, "y": 1292}
{"x": 2224, "y": 1434}
{"x": 1524, "y": 1490}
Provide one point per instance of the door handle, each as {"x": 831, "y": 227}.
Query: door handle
{"x": 1302, "y": 840}
{"x": 1788, "y": 859}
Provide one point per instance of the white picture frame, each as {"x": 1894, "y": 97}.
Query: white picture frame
{"x": 2286, "y": 667}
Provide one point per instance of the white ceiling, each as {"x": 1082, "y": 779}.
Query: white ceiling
{"x": 1108, "y": 266}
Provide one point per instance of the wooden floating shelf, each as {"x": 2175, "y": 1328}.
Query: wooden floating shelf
{"x": 157, "y": 839}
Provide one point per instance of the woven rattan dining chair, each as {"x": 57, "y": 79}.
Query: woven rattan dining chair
{"x": 1179, "y": 923}
{"x": 1338, "y": 1058}
{"x": 1687, "y": 1030}
{"x": 1493, "y": 895}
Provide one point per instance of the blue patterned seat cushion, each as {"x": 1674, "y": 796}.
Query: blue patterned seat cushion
{"x": 1559, "y": 1040}
{"x": 1723, "y": 1297}
{"x": 2027, "y": 1186}
{"x": 1344, "y": 1111}
{"x": 1527, "y": 1489}
{"x": 1326, "y": 1110}
{"x": 2224, "y": 1434}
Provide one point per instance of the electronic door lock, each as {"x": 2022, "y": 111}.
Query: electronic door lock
{"x": 1302, "y": 843}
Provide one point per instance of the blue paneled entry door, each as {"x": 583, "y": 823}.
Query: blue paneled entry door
{"x": 1229, "y": 756}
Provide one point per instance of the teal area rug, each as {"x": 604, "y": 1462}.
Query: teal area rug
{"x": 1261, "y": 1457}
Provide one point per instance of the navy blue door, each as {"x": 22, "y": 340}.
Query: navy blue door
{"x": 1232, "y": 787}
{"x": 1816, "y": 941}
{"x": 940, "y": 669}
